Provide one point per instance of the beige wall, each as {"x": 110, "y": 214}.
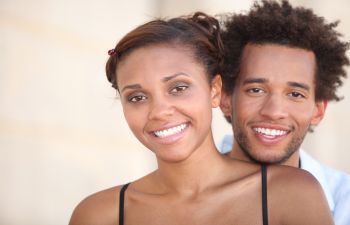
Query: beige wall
{"x": 62, "y": 132}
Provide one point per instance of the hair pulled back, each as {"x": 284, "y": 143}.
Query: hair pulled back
{"x": 199, "y": 32}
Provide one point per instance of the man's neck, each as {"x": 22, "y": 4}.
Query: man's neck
{"x": 293, "y": 160}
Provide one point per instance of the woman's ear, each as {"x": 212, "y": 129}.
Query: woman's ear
{"x": 216, "y": 85}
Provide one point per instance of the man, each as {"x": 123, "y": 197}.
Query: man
{"x": 283, "y": 65}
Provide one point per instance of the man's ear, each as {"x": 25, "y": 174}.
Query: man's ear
{"x": 226, "y": 105}
{"x": 216, "y": 86}
{"x": 319, "y": 112}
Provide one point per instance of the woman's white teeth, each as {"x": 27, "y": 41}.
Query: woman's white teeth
{"x": 170, "y": 131}
{"x": 270, "y": 132}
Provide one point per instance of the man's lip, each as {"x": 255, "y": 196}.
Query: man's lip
{"x": 270, "y": 134}
{"x": 272, "y": 126}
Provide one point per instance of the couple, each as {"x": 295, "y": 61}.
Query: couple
{"x": 272, "y": 72}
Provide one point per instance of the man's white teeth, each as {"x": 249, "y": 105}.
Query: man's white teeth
{"x": 170, "y": 131}
{"x": 270, "y": 132}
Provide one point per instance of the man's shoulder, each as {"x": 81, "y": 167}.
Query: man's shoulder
{"x": 338, "y": 181}
{"x": 339, "y": 186}
{"x": 335, "y": 178}
{"x": 335, "y": 184}
{"x": 225, "y": 144}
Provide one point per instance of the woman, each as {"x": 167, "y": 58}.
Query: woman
{"x": 167, "y": 75}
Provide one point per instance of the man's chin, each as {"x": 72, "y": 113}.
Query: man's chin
{"x": 272, "y": 161}
{"x": 268, "y": 158}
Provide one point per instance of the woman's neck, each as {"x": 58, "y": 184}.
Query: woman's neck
{"x": 193, "y": 175}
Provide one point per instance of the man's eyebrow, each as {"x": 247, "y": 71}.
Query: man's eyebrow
{"x": 299, "y": 85}
{"x": 290, "y": 83}
{"x": 167, "y": 78}
{"x": 131, "y": 86}
{"x": 255, "y": 80}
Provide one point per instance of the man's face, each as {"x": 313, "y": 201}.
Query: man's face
{"x": 273, "y": 102}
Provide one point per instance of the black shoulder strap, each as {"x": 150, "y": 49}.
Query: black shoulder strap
{"x": 264, "y": 194}
{"x": 121, "y": 204}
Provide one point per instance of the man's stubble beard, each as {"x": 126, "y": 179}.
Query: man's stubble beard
{"x": 246, "y": 148}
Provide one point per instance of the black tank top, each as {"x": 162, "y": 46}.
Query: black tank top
{"x": 263, "y": 193}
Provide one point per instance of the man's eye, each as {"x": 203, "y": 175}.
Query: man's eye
{"x": 137, "y": 98}
{"x": 296, "y": 95}
{"x": 255, "y": 90}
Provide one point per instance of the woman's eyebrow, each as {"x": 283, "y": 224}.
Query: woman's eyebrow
{"x": 132, "y": 86}
{"x": 165, "y": 79}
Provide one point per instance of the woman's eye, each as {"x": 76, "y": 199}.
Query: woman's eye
{"x": 178, "y": 89}
{"x": 137, "y": 98}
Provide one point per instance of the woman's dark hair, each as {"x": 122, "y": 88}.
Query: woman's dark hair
{"x": 271, "y": 22}
{"x": 199, "y": 32}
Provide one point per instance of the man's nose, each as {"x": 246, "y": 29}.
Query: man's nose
{"x": 274, "y": 107}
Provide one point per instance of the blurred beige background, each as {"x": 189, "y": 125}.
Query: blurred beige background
{"x": 62, "y": 131}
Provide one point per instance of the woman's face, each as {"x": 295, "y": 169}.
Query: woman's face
{"x": 167, "y": 100}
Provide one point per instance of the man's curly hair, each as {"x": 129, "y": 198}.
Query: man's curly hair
{"x": 272, "y": 22}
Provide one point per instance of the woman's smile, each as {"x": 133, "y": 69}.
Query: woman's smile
{"x": 170, "y": 135}
{"x": 168, "y": 132}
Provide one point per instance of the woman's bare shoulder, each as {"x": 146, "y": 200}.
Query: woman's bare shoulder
{"x": 292, "y": 175}
{"x": 102, "y": 207}
{"x": 300, "y": 194}
{"x": 294, "y": 183}
{"x": 99, "y": 208}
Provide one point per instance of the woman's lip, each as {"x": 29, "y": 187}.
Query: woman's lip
{"x": 164, "y": 133}
{"x": 169, "y": 127}
{"x": 169, "y": 138}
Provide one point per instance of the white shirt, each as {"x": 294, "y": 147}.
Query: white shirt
{"x": 335, "y": 184}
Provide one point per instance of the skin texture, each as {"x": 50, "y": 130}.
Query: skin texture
{"x": 191, "y": 184}
{"x": 275, "y": 90}
{"x": 182, "y": 97}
